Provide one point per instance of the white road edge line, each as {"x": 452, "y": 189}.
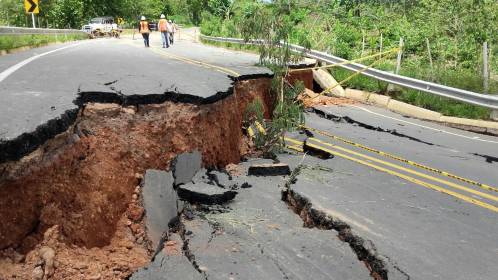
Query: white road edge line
{"x": 5, "y": 74}
{"x": 427, "y": 127}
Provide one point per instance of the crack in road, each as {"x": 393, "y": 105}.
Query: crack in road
{"x": 314, "y": 218}
{"x": 349, "y": 120}
{"x": 489, "y": 159}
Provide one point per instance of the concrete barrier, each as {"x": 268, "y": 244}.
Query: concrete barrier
{"x": 413, "y": 111}
{"x": 460, "y": 121}
{"x": 358, "y": 95}
{"x": 379, "y": 100}
{"x": 326, "y": 81}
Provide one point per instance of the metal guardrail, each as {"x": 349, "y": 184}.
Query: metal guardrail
{"x": 19, "y": 31}
{"x": 484, "y": 100}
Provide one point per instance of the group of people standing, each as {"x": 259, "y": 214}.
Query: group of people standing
{"x": 167, "y": 28}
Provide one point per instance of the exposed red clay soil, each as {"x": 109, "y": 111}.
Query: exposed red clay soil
{"x": 304, "y": 76}
{"x": 310, "y": 99}
{"x": 77, "y": 195}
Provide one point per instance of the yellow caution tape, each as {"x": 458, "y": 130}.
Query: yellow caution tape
{"x": 346, "y": 62}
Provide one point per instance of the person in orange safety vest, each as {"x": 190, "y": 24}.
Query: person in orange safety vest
{"x": 144, "y": 29}
{"x": 163, "y": 28}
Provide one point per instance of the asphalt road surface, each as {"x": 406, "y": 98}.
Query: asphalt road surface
{"x": 48, "y": 84}
{"x": 424, "y": 197}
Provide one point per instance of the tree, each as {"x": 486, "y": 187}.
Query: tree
{"x": 221, "y": 8}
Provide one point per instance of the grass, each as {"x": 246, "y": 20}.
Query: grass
{"x": 464, "y": 79}
{"x": 10, "y": 42}
{"x": 239, "y": 47}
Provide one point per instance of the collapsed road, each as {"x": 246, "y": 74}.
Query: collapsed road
{"x": 119, "y": 162}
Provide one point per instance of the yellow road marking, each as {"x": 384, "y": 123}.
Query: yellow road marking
{"x": 443, "y": 173}
{"x": 451, "y": 184}
{"x": 403, "y": 176}
{"x": 193, "y": 61}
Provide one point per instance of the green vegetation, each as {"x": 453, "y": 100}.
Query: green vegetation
{"x": 455, "y": 31}
{"x": 76, "y": 13}
{"x": 13, "y": 42}
{"x": 274, "y": 26}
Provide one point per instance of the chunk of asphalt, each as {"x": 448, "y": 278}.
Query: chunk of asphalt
{"x": 202, "y": 177}
{"x": 246, "y": 185}
{"x": 185, "y": 166}
{"x": 166, "y": 267}
{"x": 277, "y": 169}
{"x": 222, "y": 179}
{"x": 203, "y": 193}
{"x": 313, "y": 151}
{"x": 160, "y": 203}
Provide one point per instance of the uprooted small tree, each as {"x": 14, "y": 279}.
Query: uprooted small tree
{"x": 274, "y": 23}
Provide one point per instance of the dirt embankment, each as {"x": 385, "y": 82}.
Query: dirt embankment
{"x": 77, "y": 195}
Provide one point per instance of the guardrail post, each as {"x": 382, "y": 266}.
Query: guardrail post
{"x": 485, "y": 70}
{"x": 392, "y": 87}
{"x": 381, "y": 42}
{"x": 33, "y": 19}
{"x": 400, "y": 56}
{"x": 494, "y": 115}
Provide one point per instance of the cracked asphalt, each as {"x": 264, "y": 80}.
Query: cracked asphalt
{"x": 444, "y": 228}
{"x": 47, "y": 89}
{"x": 422, "y": 228}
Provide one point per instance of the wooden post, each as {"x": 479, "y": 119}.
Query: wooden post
{"x": 381, "y": 42}
{"x": 485, "y": 64}
{"x": 363, "y": 45}
{"x": 33, "y": 19}
{"x": 429, "y": 53}
{"x": 400, "y": 56}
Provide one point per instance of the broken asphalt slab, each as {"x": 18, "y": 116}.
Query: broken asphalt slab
{"x": 417, "y": 233}
{"x": 166, "y": 267}
{"x": 160, "y": 202}
{"x": 273, "y": 169}
{"x": 170, "y": 263}
{"x": 185, "y": 166}
{"x": 258, "y": 237}
{"x": 453, "y": 152}
{"x": 203, "y": 193}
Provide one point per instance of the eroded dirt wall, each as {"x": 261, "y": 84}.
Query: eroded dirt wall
{"x": 83, "y": 180}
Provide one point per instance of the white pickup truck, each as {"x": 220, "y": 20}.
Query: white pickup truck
{"x": 103, "y": 26}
